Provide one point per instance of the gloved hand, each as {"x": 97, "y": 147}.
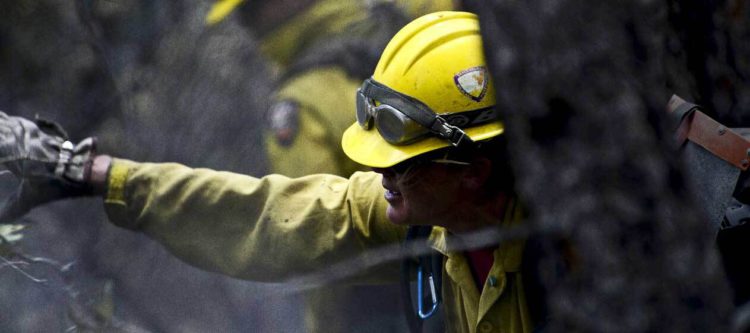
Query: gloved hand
{"x": 49, "y": 166}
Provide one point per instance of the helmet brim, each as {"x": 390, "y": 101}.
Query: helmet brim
{"x": 368, "y": 148}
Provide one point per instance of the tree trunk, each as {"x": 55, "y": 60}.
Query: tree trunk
{"x": 583, "y": 87}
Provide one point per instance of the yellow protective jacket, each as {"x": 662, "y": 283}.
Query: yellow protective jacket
{"x": 274, "y": 228}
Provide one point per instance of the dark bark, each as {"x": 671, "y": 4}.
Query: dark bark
{"x": 583, "y": 88}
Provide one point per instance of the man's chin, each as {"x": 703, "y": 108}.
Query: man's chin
{"x": 397, "y": 216}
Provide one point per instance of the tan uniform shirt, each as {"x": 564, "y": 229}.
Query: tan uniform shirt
{"x": 274, "y": 228}
{"x": 324, "y": 104}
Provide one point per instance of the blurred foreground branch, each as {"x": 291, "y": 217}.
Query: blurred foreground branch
{"x": 87, "y": 316}
{"x": 583, "y": 86}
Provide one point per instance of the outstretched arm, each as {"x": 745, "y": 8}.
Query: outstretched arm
{"x": 262, "y": 229}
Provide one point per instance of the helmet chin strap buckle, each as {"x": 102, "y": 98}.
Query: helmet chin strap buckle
{"x": 454, "y": 134}
{"x": 460, "y": 138}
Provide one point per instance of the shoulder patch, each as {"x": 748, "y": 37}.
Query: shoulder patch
{"x": 472, "y": 82}
{"x": 283, "y": 119}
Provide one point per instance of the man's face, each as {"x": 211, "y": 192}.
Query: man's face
{"x": 421, "y": 192}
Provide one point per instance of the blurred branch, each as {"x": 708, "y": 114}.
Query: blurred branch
{"x": 8, "y": 234}
{"x": 26, "y": 260}
{"x": 581, "y": 88}
{"x": 15, "y": 266}
{"x": 361, "y": 263}
{"x": 92, "y": 317}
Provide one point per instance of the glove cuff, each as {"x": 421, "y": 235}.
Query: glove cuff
{"x": 74, "y": 163}
{"x": 78, "y": 165}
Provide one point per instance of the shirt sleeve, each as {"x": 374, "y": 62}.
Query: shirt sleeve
{"x": 263, "y": 229}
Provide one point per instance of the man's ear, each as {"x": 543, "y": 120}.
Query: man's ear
{"x": 476, "y": 175}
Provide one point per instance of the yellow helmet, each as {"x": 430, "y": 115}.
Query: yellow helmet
{"x": 431, "y": 89}
{"x": 220, "y": 9}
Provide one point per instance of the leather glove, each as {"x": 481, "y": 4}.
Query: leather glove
{"x": 48, "y": 165}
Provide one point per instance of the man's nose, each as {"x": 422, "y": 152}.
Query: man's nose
{"x": 386, "y": 172}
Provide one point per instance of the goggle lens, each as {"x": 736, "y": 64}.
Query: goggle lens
{"x": 394, "y": 126}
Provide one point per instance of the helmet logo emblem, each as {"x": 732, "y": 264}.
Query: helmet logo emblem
{"x": 472, "y": 82}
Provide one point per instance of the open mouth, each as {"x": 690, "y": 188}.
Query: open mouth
{"x": 392, "y": 195}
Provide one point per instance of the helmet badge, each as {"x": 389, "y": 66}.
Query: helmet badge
{"x": 472, "y": 82}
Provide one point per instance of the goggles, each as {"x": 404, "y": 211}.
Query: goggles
{"x": 401, "y": 119}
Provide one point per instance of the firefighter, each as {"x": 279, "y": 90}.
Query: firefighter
{"x": 321, "y": 50}
{"x": 426, "y": 125}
